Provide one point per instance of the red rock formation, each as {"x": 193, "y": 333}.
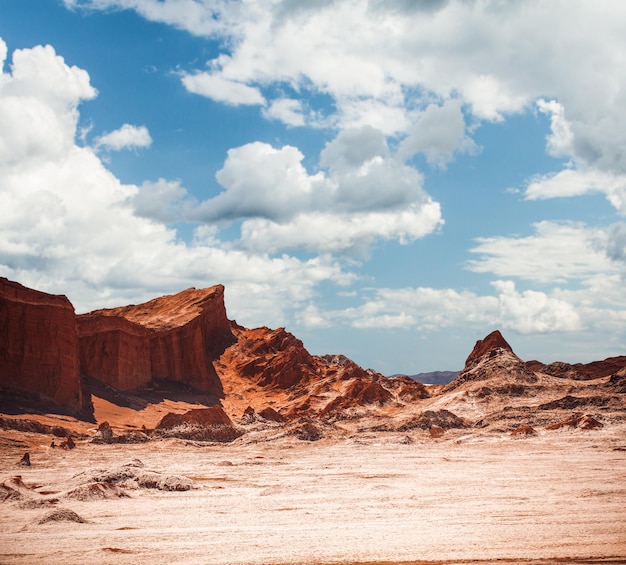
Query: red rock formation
{"x": 213, "y": 416}
{"x": 580, "y": 371}
{"x": 359, "y": 393}
{"x": 407, "y": 389}
{"x": 273, "y": 359}
{"x": 489, "y": 345}
{"x": 212, "y": 424}
{"x": 597, "y": 369}
{"x": 114, "y": 351}
{"x": 271, "y": 415}
{"x": 39, "y": 343}
{"x": 434, "y": 418}
{"x": 585, "y": 422}
{"x": 524, "y": 431}
{"x": 175, "y": 337}
{"x": 492, "y": 360}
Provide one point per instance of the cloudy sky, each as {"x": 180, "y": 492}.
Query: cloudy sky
{"x": 388, "y": 180}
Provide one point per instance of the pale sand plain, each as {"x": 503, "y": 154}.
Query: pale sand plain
{"x": 559, "y": 496}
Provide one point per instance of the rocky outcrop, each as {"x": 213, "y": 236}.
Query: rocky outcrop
{"x": 273, "y": 359}
{"x": 581, "y": 371}
{"x": 581, "y": 422}
{"x": 33, "y": 427}
{"x": 492, "y": 367}
{"x": 271, "y": 415}
{"x": 443, "y": 419}
{"x": 407, "y": 389}
{"x": 524, "y": 431}
{"x": 177, "y": 337}
{"x": 491, "y": 346}
{"x": 39, "y": 344}
{"x": 201, "y": 424}
{"x": 597, "y": 369}
{"x": 359, "y": 393}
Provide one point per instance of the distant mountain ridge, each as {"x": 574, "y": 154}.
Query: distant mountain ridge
{"x": 431, "y": 378}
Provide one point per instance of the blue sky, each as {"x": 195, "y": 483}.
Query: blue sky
{"x": 387, "y": 180}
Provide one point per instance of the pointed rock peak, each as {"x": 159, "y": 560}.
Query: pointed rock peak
{"x": 491, "y": 343}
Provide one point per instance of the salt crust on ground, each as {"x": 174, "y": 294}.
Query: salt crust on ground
{"x": 372, "y": 497}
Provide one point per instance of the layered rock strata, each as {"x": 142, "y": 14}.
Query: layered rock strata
{"x": 39, "y": 343}
{"x": 175, "y": 337}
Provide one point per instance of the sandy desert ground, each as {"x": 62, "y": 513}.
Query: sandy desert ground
{"x": 559, "y": 496}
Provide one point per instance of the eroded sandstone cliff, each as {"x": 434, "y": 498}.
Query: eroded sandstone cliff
{"x": 39, "y": 343}
{"x": 175, "y": 337}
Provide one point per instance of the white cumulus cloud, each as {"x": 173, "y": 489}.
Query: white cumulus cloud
{"x": 382, "y": 64}
{"x": 38, "y": 105}
{"x": 362, "y": 194}
{"x": 438, "y": 132}
{"x": 126, "y": 137}
{"x": 576, "y": 182}
{"x": 556, "y": 253}
{"x": 69, "y": 225}
{"x": 287, "y": 110}
{"x": 430, "y": 309}
{"x": 222, "y": 89}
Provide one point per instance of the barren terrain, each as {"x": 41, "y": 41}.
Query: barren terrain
{"x": 165, "y": 433}
{"x": 386, "y": 497}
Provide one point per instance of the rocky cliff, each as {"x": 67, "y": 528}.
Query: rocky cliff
{"x": 39, "y": 343}
{"x": 115, "y": 351}
{"x": 266, "y": 377}
{"x": 175, "y": 337}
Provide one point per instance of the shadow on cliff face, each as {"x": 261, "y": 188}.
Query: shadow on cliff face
{"x": 15, "y": 401}
{"x": 155, "y": 392}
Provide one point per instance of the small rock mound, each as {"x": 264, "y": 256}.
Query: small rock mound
{"x": 25, "y": 460}
{"x": 443, "y": 419}
{"x": 585, "y": 422}
{"x": 307, "y": 431}
{"x": 96, "y": 491}
{"x": 164, "y": 482}
{"x": 203, "y": 424}
{"x": 272, "y": 415}
{"x": 249, "y": 416}
{"x": 69, "y": 443}
{"x": 105, "y": 435}
{"x": 62, "y": 515}
{"x": 108, "y": 483}
{"x": 524, "y": 431}
{"x": 14, "y": 488}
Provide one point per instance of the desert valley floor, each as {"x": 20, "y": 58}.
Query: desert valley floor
{"x": 558, "y": 496}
